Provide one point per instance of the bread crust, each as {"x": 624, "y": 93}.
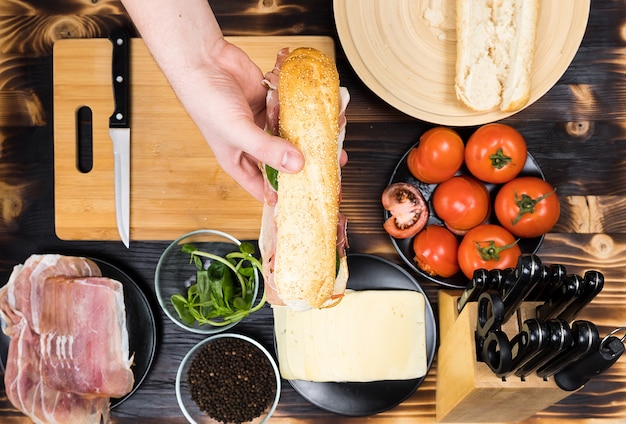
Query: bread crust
{"x": 308, "y": 201}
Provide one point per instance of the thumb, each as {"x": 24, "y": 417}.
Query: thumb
{"x": 279, "y": 153}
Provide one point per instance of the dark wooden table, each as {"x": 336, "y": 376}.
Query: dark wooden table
{"x": 576, "y": 132}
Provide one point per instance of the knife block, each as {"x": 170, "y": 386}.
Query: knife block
{"x": 467, "y": 390}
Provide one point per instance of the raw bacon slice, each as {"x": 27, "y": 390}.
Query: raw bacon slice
{"x": 69, "y": 344}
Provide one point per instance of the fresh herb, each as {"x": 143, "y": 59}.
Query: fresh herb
{"x": 272, "y": 176}
{"x": 223, "y": 293}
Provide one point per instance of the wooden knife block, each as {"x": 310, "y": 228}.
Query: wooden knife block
{"x": 467, "y": 390}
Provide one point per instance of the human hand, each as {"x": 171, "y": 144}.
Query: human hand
{"x": 231, "y": 116}
{"x": 219, "y": 86}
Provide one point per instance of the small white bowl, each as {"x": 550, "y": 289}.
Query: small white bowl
{"x": 189, "y": 407}
{"x": 175, "y": 273}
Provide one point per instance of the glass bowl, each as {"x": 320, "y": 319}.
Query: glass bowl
{"x": 254, "y": 376}
{"x": 175, "y": 273}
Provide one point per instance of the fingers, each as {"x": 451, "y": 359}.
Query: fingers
{"x": 241, "y": 151}
{"x": 279, "y": 154}
{"x": 248, "y": 176}
{"x": 273, "y": 151}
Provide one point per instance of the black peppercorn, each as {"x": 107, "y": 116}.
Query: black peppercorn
{"x": 231, "y": 380}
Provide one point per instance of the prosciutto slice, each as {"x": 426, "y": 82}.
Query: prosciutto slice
{"x": 69, "y": 344}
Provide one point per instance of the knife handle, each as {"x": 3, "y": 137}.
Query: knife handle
{"x": 120, "y": 73}
{"x": 532, "y": 339}
{"x": 560, "y": 299}
{"x": 560, "y": 338}
{"x": 593, "y": 282}
{"x": 473, "y": 289}
{"x": 586, "y": 339}
{"x": 580, "y": 372}
{"x": 520, "y": 282}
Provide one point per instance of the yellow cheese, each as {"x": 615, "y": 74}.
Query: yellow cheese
{"x": 370, "y": 335}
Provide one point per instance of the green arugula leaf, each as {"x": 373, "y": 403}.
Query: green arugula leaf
{"x": 224, "y": 292}
{"x": 272, "y": 176}
{"x": 181, "y": 307}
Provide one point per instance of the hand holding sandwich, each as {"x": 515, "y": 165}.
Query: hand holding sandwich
{"x": 219, "y": 86}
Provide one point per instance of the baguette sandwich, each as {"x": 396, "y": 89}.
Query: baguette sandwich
{"x": 303, "y": 235}
{"x": 495, "y": 51}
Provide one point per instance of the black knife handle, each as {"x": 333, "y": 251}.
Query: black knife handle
{"x": 580, "y": 372}
{"x": 474, "y": 288}
{"x": 121, "y": 79}
{"x": 560, "y": 299}
{"x": 533, "y": 338}
{"x": 520, "y": 282}
{"x": 586, "y": 339}
{"x": 593, "y": 282}
{"x": 560, "y": 339}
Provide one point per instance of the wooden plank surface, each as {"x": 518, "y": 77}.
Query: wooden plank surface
{"x": 576, "y": 132}
{"x": 176, "y": 183}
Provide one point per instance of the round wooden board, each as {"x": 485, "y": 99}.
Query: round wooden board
{"x": 405, "y": 52}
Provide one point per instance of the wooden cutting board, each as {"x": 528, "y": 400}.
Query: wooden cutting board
{"x": 176, "y": 183}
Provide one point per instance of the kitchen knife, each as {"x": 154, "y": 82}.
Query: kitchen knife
{"x": 474, "y": 288}
{"x": 520, "y": 283}
{"x": 544, "y": 280}
{"x": 586, "y": 339}
{"x": 580, "y": 372}
{"x": 561, "y": 298}
{"x": 533, "y": 338}
{"x": 119, "y": 131}
{"x": 560, "y": 339}
{"x": 483, "y": 281}
{"x": 593, "y": 282}
{"x": 557, "y": 273}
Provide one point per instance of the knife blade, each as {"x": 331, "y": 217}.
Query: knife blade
{"x": 119, "y": 131}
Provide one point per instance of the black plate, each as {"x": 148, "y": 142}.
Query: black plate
{"x": 401, "y": 174}
{"x": 369, "y": 272}
{"x": 142, "y": 332}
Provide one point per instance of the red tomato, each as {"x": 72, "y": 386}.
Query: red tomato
{"x": 437, "y": 157}
{"x": 527, "y": 206}
{"x": 462, "y": 202}
{"x": 435, "y": 250}
{"x": 487, "y": 246}
{"x": 495, "y": 153}
{"x": 409, "y": 212}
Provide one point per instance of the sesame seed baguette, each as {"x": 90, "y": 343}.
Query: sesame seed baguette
{"x": 308, "y": 202}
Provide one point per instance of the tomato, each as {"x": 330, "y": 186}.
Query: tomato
{"x": 437, "y": 157}
{"x": 527, "y": 206}
{"x": 462, "y": 202}
{"x": 495, "y": 153}
{"x": 435, "y": 250}
{"x": 409, "y": 212}
{"x": 487, "y": 246}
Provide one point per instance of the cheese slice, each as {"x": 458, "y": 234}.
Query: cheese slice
{"x": 370, "y": 335}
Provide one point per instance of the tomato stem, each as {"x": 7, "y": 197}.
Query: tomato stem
{"x": 491, "y": 252}
{"x": 499, "y": 160}
{"x": 526, "y": 204}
